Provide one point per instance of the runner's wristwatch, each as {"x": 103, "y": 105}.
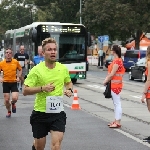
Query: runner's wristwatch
{"x": 70, "y": 90}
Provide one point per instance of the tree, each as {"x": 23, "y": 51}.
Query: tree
{"x": 58, "y": 10}
{"x": 14, "y": 14}
{"x": 118, "y": 17}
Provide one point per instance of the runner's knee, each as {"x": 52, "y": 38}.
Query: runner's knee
{"x": 40, "y": 143}
{"x": 55, "y": 146}
{"x": 6, "y": 102}
{"x": 14, "y": 99}
{"x": 6, "y": 98}
{"x": 57, "y": 138}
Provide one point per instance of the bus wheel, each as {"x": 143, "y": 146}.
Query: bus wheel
{"x": 74, "y": 80}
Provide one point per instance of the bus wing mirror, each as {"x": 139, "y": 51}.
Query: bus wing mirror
{"x": 33, "y": 34}
{"x": 89, "y": 39}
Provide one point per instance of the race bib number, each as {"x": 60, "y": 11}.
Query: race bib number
{"x": 22, "y": 63}
{"x": 54, "y": 104}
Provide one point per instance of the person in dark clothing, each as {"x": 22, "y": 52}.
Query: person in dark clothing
{"x": 23, "y": 59}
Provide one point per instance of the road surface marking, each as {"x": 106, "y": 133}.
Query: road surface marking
{"x": 125, "y": 133}
{"x": 132, "y": 137}
{"x": 67, "y": 105}
{"x": 137, "y": 96}
{"x": 103, "y": 88}
{"x": 97, "y": 87}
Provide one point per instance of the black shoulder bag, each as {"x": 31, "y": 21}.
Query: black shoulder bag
{"x": 107, "y": 92}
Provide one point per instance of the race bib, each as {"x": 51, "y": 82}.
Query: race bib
{"x": 22, "y": 63}
{"x": 54, "y": 104}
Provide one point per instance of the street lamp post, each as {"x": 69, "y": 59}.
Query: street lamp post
{"x": 31, "y": 7}
{"x": 31, "y": 15}
{"x": 80, "y": 11}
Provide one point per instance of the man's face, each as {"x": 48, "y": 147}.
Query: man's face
{"x": 50, "y": 52}
{"x": 8, "y": 54}
{"x": 21, "y": 49}
{"x": 40, "y": 51}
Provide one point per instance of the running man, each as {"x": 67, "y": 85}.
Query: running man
{"x": 47, "y": 81}
{"x": 23, "y": 59}
{"x": 9, "y": 66}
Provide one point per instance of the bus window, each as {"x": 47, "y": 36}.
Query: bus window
{"x": 71, "y": 47}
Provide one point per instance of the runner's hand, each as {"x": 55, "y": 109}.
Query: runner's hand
{"x": 1, "y": 79}
{"x": 143, "y": 98}
{"x": 49, "y": 87}
{"x": 18, "y": 79}
{"x": 68, "y": 93}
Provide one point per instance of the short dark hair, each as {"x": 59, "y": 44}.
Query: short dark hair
{"x": 117, "y": 50}
{"x": 9, "y": 48}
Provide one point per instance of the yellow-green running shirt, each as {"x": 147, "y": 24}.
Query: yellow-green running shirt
{"x": 41, "y": 75}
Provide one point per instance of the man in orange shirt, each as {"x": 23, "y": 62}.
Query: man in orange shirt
{"x": 9, "y": 66}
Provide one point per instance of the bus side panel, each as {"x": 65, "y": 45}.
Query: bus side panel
{"x": 77, "y": 70}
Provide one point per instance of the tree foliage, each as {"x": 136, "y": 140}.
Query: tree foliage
{"x": 58, "y": 10}
{"x": 14, "y": 14}
{"x": 117, "y": 18}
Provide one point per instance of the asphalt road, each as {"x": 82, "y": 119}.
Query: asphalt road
{"x": 87, "y": 128}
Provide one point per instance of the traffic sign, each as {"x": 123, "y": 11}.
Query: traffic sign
{"x": 100, "y": 39}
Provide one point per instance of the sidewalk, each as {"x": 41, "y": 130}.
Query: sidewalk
{"x": 95, "y": 68}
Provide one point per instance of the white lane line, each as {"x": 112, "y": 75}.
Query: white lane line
{"x": 90, "y": 85}
{"x": 103, "y": 88}
{"x": 97, "y": 86}
{"x": 67, "y": 105}
{"x": 125, "y": 133}
{"x": 138, "y": 96}
{"x": 132, "y": 137}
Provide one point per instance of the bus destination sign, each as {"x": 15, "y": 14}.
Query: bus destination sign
{"x": 61, "y": 29}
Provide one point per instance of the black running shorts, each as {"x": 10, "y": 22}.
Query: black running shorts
{"x": 42, "y": 123}
{"x": 10, "y": 87}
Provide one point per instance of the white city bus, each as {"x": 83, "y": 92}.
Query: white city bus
{"x": 67, "y": 35}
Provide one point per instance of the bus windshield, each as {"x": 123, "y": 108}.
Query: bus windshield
{"x": 71, "y": 48}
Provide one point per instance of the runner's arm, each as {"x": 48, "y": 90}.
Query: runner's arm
{"x": 1, "y": 76}
{"x": 20, "y": 70}
{"x": 27, "y": 61}
{"x": 31, "y": 90}
{"x": 67, "y": 81}
{"x": 69, "y": 85}
{"x": 30, "y": 83}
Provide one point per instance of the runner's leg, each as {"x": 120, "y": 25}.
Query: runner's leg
{"x": 6, "y": 92}
{"x": 40, "y": 131}
{"x": 40, "y": 143}
{"x": 57, "y": 130}
{"x": 14, "y": 91}
{"x": 23, "y": 76}
{"x": 7, "y": 101}
{"x": 14, "y": 100}
{"x": 56, "y": 139}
